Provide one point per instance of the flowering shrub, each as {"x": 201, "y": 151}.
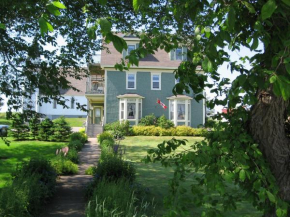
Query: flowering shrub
{"x": 173, "y": 131}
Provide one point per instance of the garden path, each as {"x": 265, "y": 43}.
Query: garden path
{"x": 69, "y": 198}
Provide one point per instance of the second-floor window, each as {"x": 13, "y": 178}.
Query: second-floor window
{"x": 131, "y": 80}
{"x": 155, "y": 81}
{"x": 179, "y": 53}
{"x": 129, "y": 49}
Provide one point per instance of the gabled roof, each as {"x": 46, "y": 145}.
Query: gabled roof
{"x": 79, "y": 84}
{"x": 160, "y": 59}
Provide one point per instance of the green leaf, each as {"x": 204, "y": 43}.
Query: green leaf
{"x": 119, "y": 43}
{"x": 273, "y": 79}
{"x": 255, "y": 44}
{"x": 242, "y": 79}
{"x": 59, "y": 5}
{"x": 207, "y": 65}
{"x": 242, "y": 175}
{"x": 268, "y": 9}
{"x": 43, "y": 26}
{"x": 271, "y": 197}
{"x": 2, "y": 26}
{"x": 53, "y": 10}
{"x": 287, "y": 2}
{"x": 136, "y": 4}
{"x": 49, "y": 27}
{"x": 231, "y": 18}
{"x": 102, "y": 2}
{"x": 250, "y": 7}
{"x": 105, "y": 25}
{"x": 92, "y": 33}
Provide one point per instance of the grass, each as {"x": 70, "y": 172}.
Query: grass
{"x": 3, "y": 120}
{"x": 19, "y": 151}
{"x": 75, "y": 122}
{"x": 156, "y": 177}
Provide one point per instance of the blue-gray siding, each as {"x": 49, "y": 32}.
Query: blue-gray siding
{"x": 116, "y": 85}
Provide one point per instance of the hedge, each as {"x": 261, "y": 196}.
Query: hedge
{"x": 174, "y": 131}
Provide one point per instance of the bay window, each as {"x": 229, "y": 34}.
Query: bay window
{"x": 180, "y": 110}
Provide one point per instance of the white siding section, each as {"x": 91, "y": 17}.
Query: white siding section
{"x": 48, "y": 110}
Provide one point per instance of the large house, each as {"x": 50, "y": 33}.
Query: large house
{"x": 130, "y": 95}
{"x": 113, "y": 95}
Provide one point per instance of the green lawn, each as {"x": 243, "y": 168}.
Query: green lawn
{"x": 3, "y": 120}
{"x": 156, "y": 177}
{"x": 75, "y": 122}
{"x": 19, "y": 151}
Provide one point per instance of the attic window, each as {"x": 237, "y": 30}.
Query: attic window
{"x": 129, "y": 49}
{"x": 179, "y": 53}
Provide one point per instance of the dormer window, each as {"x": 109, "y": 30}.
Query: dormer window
{"x": 179, "y": 53}
{"x": 129, "y": 49}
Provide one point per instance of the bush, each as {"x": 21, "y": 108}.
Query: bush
{"x": 45, "y": 129}
{"x": 91, "y": 170}
{"x": 64, "y": 166}
{"x": 105, "y": 136}
{"x": 33, "y": 183}
{"x": 79, "y": 136}
{"x": 72, "y": 155}
{"x": 163, "y": 122}
{"x": 107, "y": 152}
{"x": 148, "y": 120}
{"x": 174, "y": 131}
{"x": 34, "y": 125}
{"x": 82, "y": 130}
{"x": 118, "y": 129}
{"x": 114, "y": 168}
{"x": 76, "y": 145}
{"x": 61, "y": 130}
{"x": 19, "y": 130}
{"x": 117, "y": 199}
{"x": 107, "y": 143}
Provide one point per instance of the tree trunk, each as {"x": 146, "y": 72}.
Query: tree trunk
{"x": 268, "y": 130}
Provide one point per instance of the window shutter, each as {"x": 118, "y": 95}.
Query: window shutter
{"x": 172, "y": 54}
{"x": 184, "y": 53}
{"x": 124, "y": 53}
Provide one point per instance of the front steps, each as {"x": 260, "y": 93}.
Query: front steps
{"x": 93, "y": 130}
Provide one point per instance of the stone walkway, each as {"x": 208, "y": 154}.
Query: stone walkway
{"x": 69, "y": 198}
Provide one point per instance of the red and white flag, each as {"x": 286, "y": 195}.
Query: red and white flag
{"x": 161, "y": 103}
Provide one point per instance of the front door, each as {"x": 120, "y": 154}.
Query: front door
{"x": 97, "y": 115}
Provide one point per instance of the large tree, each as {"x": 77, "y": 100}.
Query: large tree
{"x": 251, "y": 149}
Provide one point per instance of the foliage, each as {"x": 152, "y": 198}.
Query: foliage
{"x": 174, "y": 131}
{"x": 72, "y": 155}
{"x": 45, "y": 129}
{"x": 107, "y": 143}
{"x": 19, "y": 130}
{"x": 76, "y": 145}
{"x": 32, "y": 186}
{"x": 148, "y": 120}
{"x": 91, "y": 170}
{"x": 64, "y": 166}
{"x": 78, "y": 136}
{"x": 105, "y": 136}
{"x": 118, "y": 199}
{"x": 163, "y": 122}
{"x": 118, "y": 129}
{"x": 82, "y": 130}
{"x": 34, "y": 126}
{"x": 114, "y": 168}
{"x": 61, "y": 130}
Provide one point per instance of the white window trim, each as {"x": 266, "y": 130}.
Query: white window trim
{"x": 125, "y": 101}
{"x": 135, "y": 83}
{"x": 186, "y": 120}
{"x": 152, "y": 74}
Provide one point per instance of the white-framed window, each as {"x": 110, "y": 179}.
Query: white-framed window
{"x": 130, "y": 109}
{"x": 155, "y": 81}
{"x": 130, "y": 80}
{"x": 180, "y": 111}
{"x": 54, "y": 104}
{"x": 179, "y": 53}
{"x": 129, "y": 49}
{"x": 177, "y": 80}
